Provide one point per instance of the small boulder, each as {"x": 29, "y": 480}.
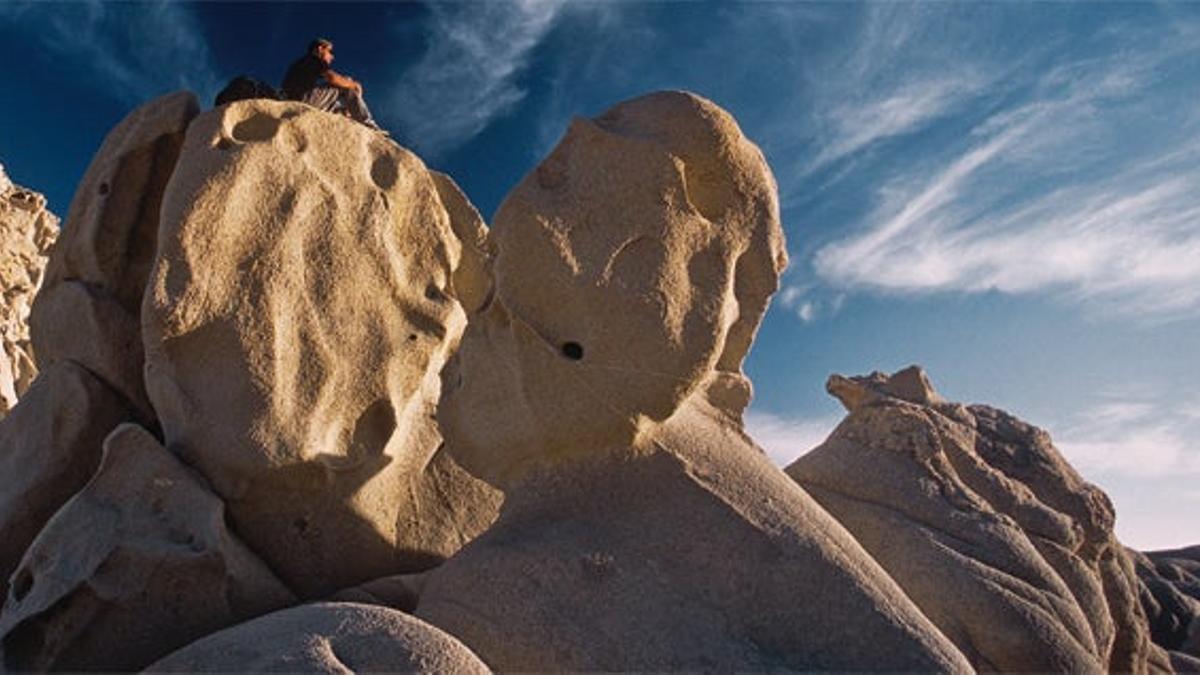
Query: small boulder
{"x": 50, "y": 445}
{"x": 327, "y": 637}
{"x": 135, "y": 565}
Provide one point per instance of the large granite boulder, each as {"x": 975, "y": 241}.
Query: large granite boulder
{"x": 50, "y": 445}
{"x": 27, "y": 231}
{"x": 135, "y": 565}
{"x": 300, "y": 308}
{"x": 88, "y": 309}
{"x": 985, "y": 526}
{"x": 327, "y": 637}
{"x": 600, "y": 388}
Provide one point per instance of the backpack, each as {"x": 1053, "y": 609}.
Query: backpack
{"x": 243, "y": 87}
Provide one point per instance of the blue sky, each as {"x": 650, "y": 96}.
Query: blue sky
{"x": 1005, "y": 193}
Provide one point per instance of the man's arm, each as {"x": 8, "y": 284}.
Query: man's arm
{"x": 341, "y": 81}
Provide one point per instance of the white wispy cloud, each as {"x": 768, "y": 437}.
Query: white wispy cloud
{"x": 133, "y": 50}
{"x": 1138, "y": 438}
{"x": 470, "y": 74}
{"x": 797, "y": 300}
{"x": 909, "y": 106}
{"x": 1046, "y": 195}
{"x": 784, "y": 439}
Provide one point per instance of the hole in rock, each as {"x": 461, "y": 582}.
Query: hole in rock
{"x": 572, "y": 350}
{"x": 301, "y": 525}
{"x": 22, "y": 584}
{"x": 103, "y": 189}
{"x": 434, "y": 293}
{"x": 258, "y": 127}
{"x": 412, "y": 337}
{"x": 384, "y": 172}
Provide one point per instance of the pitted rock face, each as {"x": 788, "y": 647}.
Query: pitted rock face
{"x": 88, "y": 311}
{"x": 298, "y": 314}
{"x": 984, "y": 524}
{"x": 632, "y": 265}
{"x": 27, "y": 232}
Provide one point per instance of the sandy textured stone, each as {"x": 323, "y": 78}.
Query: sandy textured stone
{"x": 89, "y": 309}
{"x": 135, "y": 565}
{"x": 985, "y": 526}
{"x": 327, "y": 638}
{"x": 49, "y": 447}
{"x": 471, "y": 280}
{"x": 27, "y": 231}
{"x": 298, "y": 315}
{"x": 601, "y": 389}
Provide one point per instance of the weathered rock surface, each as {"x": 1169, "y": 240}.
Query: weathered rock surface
{"x": 27, "y": 231}
{"x": 985, "y": 526}
{"x": 601, "y": 389}
{"x": 136, "y": 564}
{"x": 50, "y": 445}
{"x": 1170, "y": 596}
{"x": 328, "y": 638}
{"x": 88, "y": 310}
{"x": 299, "y": 312}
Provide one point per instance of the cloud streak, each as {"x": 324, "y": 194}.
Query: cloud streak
{"x": 470, "y": 73}
{"x": 135, "y": 51}
{"x": 1046, "y": 195}
{"x": 1133, "y": 438}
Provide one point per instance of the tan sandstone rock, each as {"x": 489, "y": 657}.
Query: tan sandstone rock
{"x": 327, "y": 638}
{"x": 985, "y": 526}
{"x": 137, "y": 564}
{"x": 601, "y": 389}
{"x": 89, "y": 309}
{"x": 50, "y": 446}
{"x": 299, "y": 312}
{"x": 27, "y": 231}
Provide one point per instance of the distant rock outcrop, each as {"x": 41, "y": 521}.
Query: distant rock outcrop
{"x": 985, "y": 526}
{"x": 27, "y": 231}
{"x": 1170, "y": 595}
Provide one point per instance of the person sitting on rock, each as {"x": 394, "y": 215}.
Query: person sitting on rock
{"x": 338, "y": 92}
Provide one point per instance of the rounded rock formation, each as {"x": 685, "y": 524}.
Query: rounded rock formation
{"x": 299, "y": 310}
{"x": 600, "y": 387}
{"x": 985, "y": 526}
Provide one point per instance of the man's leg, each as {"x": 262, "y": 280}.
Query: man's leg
{"x": 323, "y": 98}
{"x": 353, "y": 101}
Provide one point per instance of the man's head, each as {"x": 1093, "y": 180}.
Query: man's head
{"x": 322, "y": 49}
